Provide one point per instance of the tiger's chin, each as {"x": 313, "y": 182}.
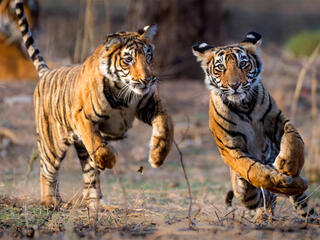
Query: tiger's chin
{"x": 142, "y": 90}
{"x": 236, "y": 98}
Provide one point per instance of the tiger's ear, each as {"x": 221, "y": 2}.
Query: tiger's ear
{"x": 252, "y": 42}
{"x": 148, "y": 32}
{"x": 200, "y": 50}
{"x": 113, "y": 41}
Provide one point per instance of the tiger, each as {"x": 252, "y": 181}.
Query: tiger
{"x": 263, "y": 149}
{"x": 90, "y": 104}
{"x": 8, "y": 22}
{"x": 14, "y": 62}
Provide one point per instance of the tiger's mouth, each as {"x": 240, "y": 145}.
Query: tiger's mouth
{"x": 143, "y": 86}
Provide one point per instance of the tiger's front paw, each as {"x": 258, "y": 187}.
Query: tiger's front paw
{"x": 104, "y": 156}
{"x": 260, "y": 175}
{"x": 288, "y": 185}
{"x": 290, "y": 159}
{"x": 158, "y": 151}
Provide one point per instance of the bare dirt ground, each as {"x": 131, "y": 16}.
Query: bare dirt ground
{"x": 156, "y": 202}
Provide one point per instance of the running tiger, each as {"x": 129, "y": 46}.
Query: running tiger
{"x": 262, "y": 148}
{"x": 90, "y": 104}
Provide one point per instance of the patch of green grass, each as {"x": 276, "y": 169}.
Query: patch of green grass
{"x": 18, "y": 216}
{"x": 304, "y": 43}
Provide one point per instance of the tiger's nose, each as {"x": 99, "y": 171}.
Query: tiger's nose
{"x": 148, "y": 79}
{"x": 234, "y": 85}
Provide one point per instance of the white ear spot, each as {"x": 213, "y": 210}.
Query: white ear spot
{"x": 251, "y": 36}
{"x": 150, "y": 31}
{"x": 203, "y": 45}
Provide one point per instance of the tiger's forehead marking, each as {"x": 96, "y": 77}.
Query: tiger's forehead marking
{"x": 133, "y": 45}
{"x": 235, "y": 50}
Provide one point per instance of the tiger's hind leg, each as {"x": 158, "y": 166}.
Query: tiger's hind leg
{"x": 300, "y": 203}
{"x": 250, "y": 196}
{"x": 49, "y": 166}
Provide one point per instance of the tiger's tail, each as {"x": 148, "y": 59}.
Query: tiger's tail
{"x": 28, "y": 40}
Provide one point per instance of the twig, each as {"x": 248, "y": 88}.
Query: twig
{"x": 9, "y": 134}
{"x": 281, "y": 205}
{"x": 315, "y": 132}
{"x": 307, "y": 197}
{"x": 26, "y": 215}
{"x": 229, "y": 212}
{"x": 124, "y": 193}
{"x": 192, "y": 222}
{"x": 187, "y": 130}
{"x": 47, "y": 218}
{"x": 265, "y": 204}
{"x": 33, "y": 158}
{"x": 301, "y": 78}
{"x": 217, "y": 216}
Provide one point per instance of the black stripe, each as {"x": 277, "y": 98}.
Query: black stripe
{"x": 44, "y": 165}
{"x": 267, "y": 111}
{"x": 253, "y": 102}
{"x": 95, "y": 111}
{"x": 220, "y": 115}
{"x": 29, "y": 42}
{"x": 251, "y": 197}
{"x": 41, "y": 66}
{"x": 235, "y": 110}
{"x": 263, "y": 95}
{"x": 232, "y": 133}
{"x": 110, "y": 96}
{"x": 24, "y": 32}
{"x": 233, "y": 147}
{"x": 24, "y": 23}
{"x": 254, "y": 206}
{"x": 34, "y": 54}
{"x": 276, "y": 127}
{"x": 19, "y": 15}
{"x": 20, "y": 6}
{"x": 148, "y": 111}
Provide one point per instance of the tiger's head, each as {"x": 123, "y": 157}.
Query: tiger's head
{"x": 128, "y": 59}
{"x": 232, "y": 71}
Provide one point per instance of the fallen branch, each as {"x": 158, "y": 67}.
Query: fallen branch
{"x": 192, "y": 222}
{"x": 9, "y": 134}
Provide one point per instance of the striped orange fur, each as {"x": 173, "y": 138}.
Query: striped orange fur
{"x": 262, "y": 148}
{"x": 90, "y": 104}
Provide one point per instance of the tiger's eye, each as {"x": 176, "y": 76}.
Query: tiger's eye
{"x": 220, "y": 67}
{"x": 128, "y": 60}
{"x": 149, "y": 57}
{"x": 243, "y": 64}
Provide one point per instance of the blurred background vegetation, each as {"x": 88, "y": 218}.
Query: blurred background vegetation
{"x": 71, "y": 29}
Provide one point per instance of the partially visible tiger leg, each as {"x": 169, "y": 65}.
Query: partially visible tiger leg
{"x": 97, "y": 148}
{"x": 52, "y": 143}
{"x": 49, "y": 177}
{"x": 300, "y": 203}
{"x": 91, "y": 189}
{"x": 250, "y": 196}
